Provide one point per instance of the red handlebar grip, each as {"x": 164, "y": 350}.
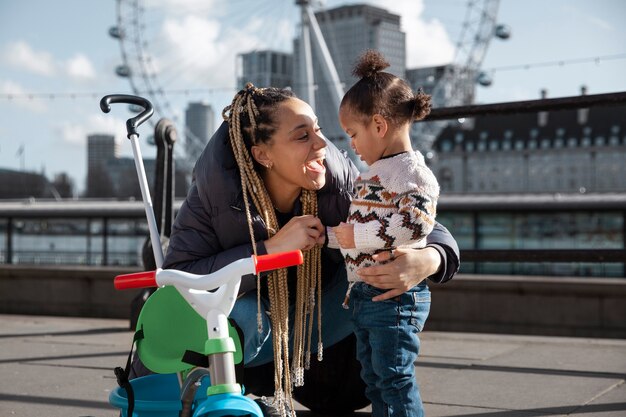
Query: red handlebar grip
{"x": 278, "y": 260}
{"x": 136, "y": 280}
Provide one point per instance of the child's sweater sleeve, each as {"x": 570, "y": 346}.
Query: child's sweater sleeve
{"x": 331, "y": 238}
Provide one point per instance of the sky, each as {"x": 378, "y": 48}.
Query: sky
{"x": 57, "y": 60}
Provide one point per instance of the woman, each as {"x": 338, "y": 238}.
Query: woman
{"x": 268, "y": 181}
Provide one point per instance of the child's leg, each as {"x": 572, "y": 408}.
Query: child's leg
{"x": 364, "y": 354}
{"x": 392, "y": 338}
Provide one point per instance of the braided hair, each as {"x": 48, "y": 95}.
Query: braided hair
{"x": 251, "y": 121}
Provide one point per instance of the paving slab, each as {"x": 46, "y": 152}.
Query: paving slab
{"x": 611, "y": 403}
{"x": 437, "y": 346}
{"x": 507, "y": 389}
{"x": 582, "y": 358}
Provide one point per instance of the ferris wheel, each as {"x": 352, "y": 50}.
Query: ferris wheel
{"x": 171, "y": 72}
{"x": 173, "y": 52}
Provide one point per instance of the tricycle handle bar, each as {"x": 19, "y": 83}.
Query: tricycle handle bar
{"x": 133, "y": 123}
{"x": 254, "y": 264}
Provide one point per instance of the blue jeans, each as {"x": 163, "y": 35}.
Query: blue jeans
{"x": 388, "y": 345}
{"x": 257, "y": 347}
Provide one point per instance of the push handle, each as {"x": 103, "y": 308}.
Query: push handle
{"x": 136, "y": 280}
{"x": 133, "y": 123}
{"x": 278, "y": 260}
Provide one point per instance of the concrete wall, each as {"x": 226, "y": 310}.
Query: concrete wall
{"x": 555, "y": 306}
{"x": 63, "y": 291}
{"x": 586, "y": 307}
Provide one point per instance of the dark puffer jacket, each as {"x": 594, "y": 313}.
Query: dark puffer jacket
{"x": 211, "y": 230}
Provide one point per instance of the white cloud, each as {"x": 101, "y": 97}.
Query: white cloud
{"x": 71, "y": 133}
{"x": 21, "y": 98}
{"x": 80, "y": 67}
{"x": 601, "y": 23}
{"x": 21, "y": 55}
{"x": 427, "y": 41}
{"x": 190, "y": 40}
{"x": 579, "y": 13}
{"x": 204, "y": 50}
{"x": 76, "y": 133}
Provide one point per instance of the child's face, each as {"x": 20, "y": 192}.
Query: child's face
{"x": 364, "y": 135}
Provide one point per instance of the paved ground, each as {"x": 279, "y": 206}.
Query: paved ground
{"x": 61, "y": 367}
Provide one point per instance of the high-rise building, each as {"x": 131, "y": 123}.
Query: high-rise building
{"x": 266, "y": 69}
{"x": 111, "y": 176}
{"x": 100, "y": 148}
{"x": 199, "y": 127}
{"x": 348, "y": 32}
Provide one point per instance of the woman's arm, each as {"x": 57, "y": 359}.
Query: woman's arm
{"x": 438, "y": 261}
{"x": 443, "y": 241}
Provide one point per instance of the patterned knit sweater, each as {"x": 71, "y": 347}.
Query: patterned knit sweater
{"x": 395, "y": 204}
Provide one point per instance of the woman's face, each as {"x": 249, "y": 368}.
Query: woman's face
{"x": 296, "y": 152}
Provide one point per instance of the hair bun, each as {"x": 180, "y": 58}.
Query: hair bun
{"x": 421, "y": 105}
{"x": 369, "y": 64}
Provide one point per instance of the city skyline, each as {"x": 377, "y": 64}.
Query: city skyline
{"x": 66, "y": 56}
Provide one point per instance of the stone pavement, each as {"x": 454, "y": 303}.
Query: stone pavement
{"x": 62, "y": 367}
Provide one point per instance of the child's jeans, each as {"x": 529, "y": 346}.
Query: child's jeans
{"x": 387, "y": 347}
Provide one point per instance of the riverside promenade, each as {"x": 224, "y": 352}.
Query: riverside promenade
{"x": 62, "y": 367}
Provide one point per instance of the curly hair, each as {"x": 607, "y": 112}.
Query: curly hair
{"x": 379, "y": 92}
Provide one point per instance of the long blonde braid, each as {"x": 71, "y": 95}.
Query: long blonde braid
{"x": 244, "y": 110}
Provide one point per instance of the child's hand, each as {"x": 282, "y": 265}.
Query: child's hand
{"x": 345, "y": 235}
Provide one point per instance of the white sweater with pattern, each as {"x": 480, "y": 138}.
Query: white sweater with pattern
{"x": 395, "y": 204}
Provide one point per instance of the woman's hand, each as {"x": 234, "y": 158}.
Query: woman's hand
{"x": 409, "y": 268}
{"x": 301, "y": 232}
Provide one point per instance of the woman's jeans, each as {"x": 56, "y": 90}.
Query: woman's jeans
{"x": 258, "y": 348}
{"x": 388, "y": 345}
